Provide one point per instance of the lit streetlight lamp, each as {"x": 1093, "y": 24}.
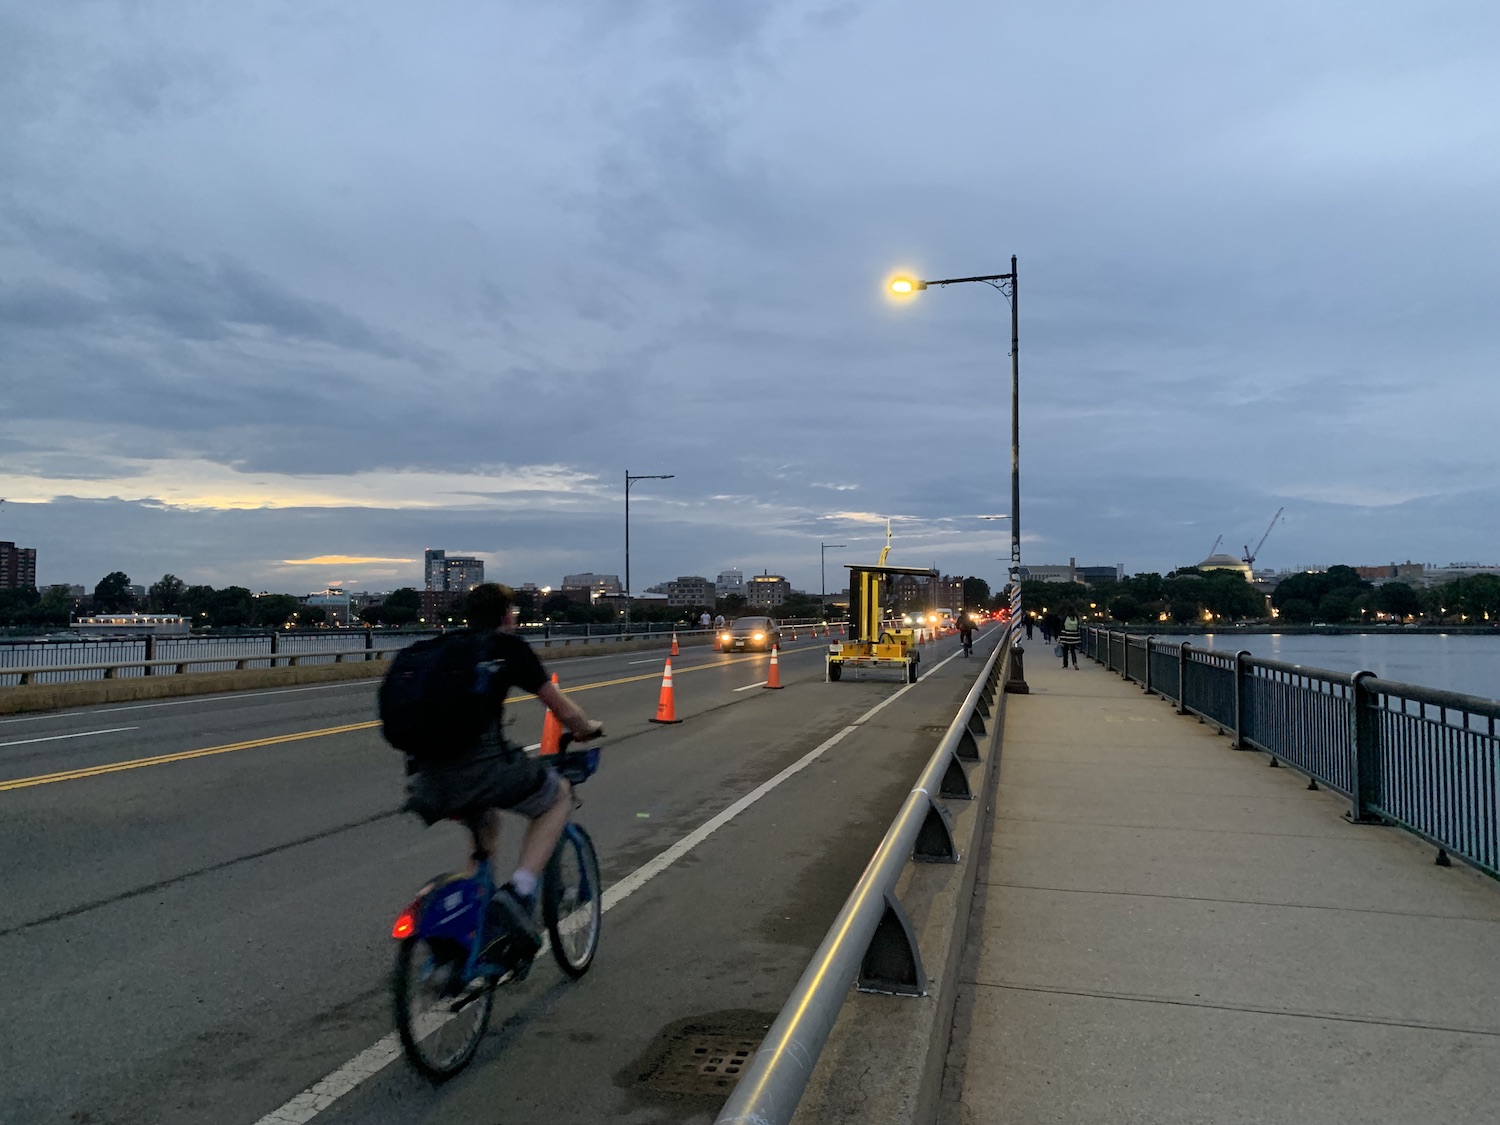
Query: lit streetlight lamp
{"x": 1006, "y": 284}
{"x": 630, "y": 479}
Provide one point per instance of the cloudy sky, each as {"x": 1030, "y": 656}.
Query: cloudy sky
{"x": 292, "y": 290}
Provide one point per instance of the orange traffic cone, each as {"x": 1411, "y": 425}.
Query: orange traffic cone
{"x": 666, "y": 710}
{"x": 674, "y": 642}
{"x": 551, "y": 728}
{"x": 843, "y": 630}
{"x": 773, "y": 678}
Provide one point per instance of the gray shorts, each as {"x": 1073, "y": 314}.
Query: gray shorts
{"x": 510, "y": 781}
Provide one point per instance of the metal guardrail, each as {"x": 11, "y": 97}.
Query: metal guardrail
{"x": 1419, "y": 758}
{"x": 125, "y": 658}
{"x": 871, "y": 942}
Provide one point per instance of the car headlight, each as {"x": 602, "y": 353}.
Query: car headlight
{"x": 725, "y": 637}
{"x": 760, "y": 636}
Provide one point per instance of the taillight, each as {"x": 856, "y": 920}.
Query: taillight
{"x": 406, "y": 923}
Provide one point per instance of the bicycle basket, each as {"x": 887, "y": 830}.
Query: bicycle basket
{"x": 578, "y": 765}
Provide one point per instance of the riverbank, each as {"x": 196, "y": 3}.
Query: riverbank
{"x": 1278, "y": 628}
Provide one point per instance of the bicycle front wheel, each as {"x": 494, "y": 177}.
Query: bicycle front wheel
{"x": 572, "y": 901}
{"x": 440, "y": 1023}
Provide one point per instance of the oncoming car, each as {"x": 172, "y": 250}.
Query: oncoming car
{"x": 753, "y": 634}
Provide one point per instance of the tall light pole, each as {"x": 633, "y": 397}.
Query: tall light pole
{"x": 823, "y": 549}
{"x": 630, "y": 480}
{"x": 1006, "y": 284}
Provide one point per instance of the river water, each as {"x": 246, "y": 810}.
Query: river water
{"x": 1464, "y": 663}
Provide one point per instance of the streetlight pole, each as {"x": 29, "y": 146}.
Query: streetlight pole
{"x": 630, "y": 480}
{"x": 823, "y": 549}
{"x": 1007, "y": 286}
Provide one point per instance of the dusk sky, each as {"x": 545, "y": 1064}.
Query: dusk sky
{"x": 291, "y": 291}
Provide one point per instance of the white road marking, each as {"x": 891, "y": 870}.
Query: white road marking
{"x": 653, "y": 660}
{"x": 58, "y": 737}
{"x": 319, "y": 1096}
{"x": 747, "y": 687}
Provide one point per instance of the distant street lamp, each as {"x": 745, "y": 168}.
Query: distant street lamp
{"x": 1006, "y": 284}
{"x": 629, "y": 481}
{"x": 823, "y": 549}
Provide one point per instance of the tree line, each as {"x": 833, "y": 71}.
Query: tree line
{"x": 1335, "y": 596}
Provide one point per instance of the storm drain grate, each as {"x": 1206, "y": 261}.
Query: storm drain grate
{"x": 703, "y": 1063}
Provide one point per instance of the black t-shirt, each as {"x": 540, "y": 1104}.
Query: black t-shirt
{"x": 507, "y": 662}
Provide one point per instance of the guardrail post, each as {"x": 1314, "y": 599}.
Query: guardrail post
{"x": 275, "y": 646}
{"x": 892, "y": 962}
{"x": 1182, "y": 663}
{"x": 1239, "y": 700}
{"x": 935, "y": 838}
{"x": 150, "y": 653}
{"x": 1147, "y": 685}
{"x": 1364, "y": 740}
{"x": 369, "y": 642}
{"x": 955, "y": 785}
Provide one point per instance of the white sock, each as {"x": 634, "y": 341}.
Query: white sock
{"x": 524, "y": 882}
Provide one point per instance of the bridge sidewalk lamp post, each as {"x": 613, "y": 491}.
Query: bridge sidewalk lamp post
{"x": 823, "y": 549}
{"x": 630, "y": 480}
{"x": 1006, "y": 284}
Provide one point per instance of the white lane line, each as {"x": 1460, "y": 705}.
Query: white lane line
{"x": 375, "y": 1058}
{"x": 747, "y": 687}
{"x": 59, "y": 737}
{"x": 653, "y": 660}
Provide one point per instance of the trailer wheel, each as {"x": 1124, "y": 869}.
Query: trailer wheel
{"x": 911, "y": 672}
{"x": 835, "y": 670}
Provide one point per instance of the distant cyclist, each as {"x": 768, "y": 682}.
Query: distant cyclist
{"x": 966, "y": 632}
{"x": 497, "y": 774}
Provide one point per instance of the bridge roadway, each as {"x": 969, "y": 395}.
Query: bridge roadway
{"x": 202, "y": 938}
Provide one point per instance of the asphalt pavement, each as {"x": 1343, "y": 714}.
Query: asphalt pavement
{"x": 198, "y": 894}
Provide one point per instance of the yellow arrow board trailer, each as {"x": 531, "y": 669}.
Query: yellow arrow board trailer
{"x": 876, "y": 637}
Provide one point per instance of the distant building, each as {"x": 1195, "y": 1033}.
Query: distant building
{"x": 1092, "y": 574}
{"x": 17, "y": 567}
{"x": 336, "y": 605}
{"x": 767, "y": 591}
{"x": 690, "y": 590}
{"x": 731, "y": 581}
{"x": 1051, "y": 572}
{"x": 437, "y": 605}
{"x": 1227, "y": 562}
{"x": 456, "y": 574}
{"x": 598, "y": 585}
{"x": 950, "y": 592}
{"x": 907, "y": 592}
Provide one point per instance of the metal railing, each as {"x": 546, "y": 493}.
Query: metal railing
{"x": 1419, "y": 758}
{"x": 71, "y": 660}
{"x": 871, "y": 942}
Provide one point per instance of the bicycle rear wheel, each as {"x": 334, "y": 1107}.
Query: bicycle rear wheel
{"x": 440, "y": 1025}
{"x": 572, "y": 901}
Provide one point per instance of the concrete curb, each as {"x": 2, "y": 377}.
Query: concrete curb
{"x": 30, "y": 698}
{"x": 884, "y": 1060}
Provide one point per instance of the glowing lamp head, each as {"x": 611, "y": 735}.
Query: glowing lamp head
{"x": 905, "y": 286}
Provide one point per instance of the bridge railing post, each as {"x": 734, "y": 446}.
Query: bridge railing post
{"x": 1240, "y": 694}
{"x": 1364, "y": 739}
{"x": 1182, "y": 663}
{"x": 1147, "y": 684}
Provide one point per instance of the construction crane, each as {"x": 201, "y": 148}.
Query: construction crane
{"x": 1249, "y": 554}
{"x": 1214, "y": 548}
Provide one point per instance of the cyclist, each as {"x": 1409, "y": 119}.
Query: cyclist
{"x": 498, "y": 774}
{"x": 966, "y": 631}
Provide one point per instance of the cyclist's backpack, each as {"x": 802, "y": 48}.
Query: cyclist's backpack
{"x": 430, "y": 703}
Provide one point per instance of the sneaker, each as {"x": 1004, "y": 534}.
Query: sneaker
{"x": 512, "y": 915}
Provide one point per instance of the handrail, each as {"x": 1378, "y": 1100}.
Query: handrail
{"x": 1423, "y": 759}
{"x": 778, "y": 1074}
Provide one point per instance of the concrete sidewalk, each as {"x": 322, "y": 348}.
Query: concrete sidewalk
{"x": 1168, "y": 931}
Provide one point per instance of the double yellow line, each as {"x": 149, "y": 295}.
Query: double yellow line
{"x": 276, "y": 740}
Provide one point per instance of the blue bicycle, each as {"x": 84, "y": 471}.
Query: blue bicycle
{"x": 448, "y": 966}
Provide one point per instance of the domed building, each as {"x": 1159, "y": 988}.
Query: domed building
{"x": 1226, "y": 562}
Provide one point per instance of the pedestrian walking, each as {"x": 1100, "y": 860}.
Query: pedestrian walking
{"x": 1028, "y": 626}
{"x": 1070, "y": 637}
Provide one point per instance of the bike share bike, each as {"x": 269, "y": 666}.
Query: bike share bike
{"x": 450, "y": 960}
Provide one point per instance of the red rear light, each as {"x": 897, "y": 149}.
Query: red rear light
{"x": 406, "y": 925}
